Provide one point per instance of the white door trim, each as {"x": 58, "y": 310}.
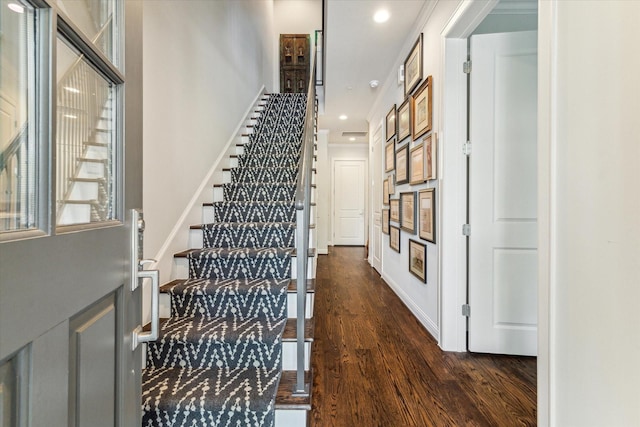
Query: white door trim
{"x": 333, "y": 195}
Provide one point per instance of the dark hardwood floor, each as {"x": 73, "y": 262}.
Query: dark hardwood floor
{"x": 375, "y": 365}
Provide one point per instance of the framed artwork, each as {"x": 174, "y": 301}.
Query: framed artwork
{"x": 394, "y": 210}
{"x": 394, "y": 238}
{"x": 416, "y": 165}
{"x": 385, "y": 221}
{"x": 427, "y": 213}
{"x": 385, "y": 192}
{"x": 389, "y": 156}
{"x": 392, "y": 185}
{"x": 418, "y": 260}
{"x": 404, "y": 119}
{"x": 391, "y": 123}
{"x": 421, "y": 106}
{"x": 413, "y": 67}
{"x": 431, "y": 156}
{"x": 402, "y": 165}
{"x": 408, "y": 211}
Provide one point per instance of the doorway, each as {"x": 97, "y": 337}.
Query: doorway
{"x": 348, "y": 202}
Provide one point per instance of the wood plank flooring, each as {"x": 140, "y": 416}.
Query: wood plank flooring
{"x": 375, "y": 365}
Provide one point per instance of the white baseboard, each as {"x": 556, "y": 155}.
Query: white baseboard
{"x": 422, "y": 317}
{"x": 322, "y": 251}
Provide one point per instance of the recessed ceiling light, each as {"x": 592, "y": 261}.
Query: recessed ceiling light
{"x": 352, "y": 138}
{"x": 374, "y": 84}
{"x": 16, "y": 7}
{"x": 381, "y": 16}
{"x": 71, "y": 89}
{"x": 343, "y": 117}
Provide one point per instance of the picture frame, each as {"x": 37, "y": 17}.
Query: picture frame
{"x": 408, "y": 211}
{"x": 430, "y": 143}
{"x": 394, "y": 210}
{"x": 418, "y": 260}
{"x": 404, "y": 119}
{"x": 385, "y": 221}
{"x": 413, "y": 67}
{"x": 427, "y": 214}
{"x": 390, "y": 123}
{"x": 392, "y": 185}
{"x": 416, "y": 165}
{"x": 385, "y": 192}
{"x": 422, "y": 109}
{"x": 394, "y": 238}
{"x": 402, "y": 165}
{"x": 390, "y": 156}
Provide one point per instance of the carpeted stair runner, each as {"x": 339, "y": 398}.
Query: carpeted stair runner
{"x": 218, "y": 359}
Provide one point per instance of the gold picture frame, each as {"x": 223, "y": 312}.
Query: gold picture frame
{"x": 394, "y": 238}
{"x": 430, "y": 143}
{"x": 408, "y": 211}
{"x": 390, "y": 123}
{"x": 385, "y": 221}
{"x": 390, "y": 156}
{"x": 404, "y": 119}
{"x": 422, "y": 109}
{"x": 385, "y": 192}
{"x": 427, "y": 214}
{"x": 394, "y": 210}
{"x": 416, "y": 165}
{"x": 413, "y": 67}
{"x": 418, "y": 259}
{"x": 402, "y": 165}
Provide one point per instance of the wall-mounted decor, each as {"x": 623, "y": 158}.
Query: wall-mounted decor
{"x": 402, "y": 165}
{"x": 416, "y": 165}
{"x": 385, "y": 192}
{"x": 431, "y": 156}
{"x": 385, "y": 221}
{"x": 394, "y": 238}
{"x": 404, "y": 119}
{"x": 408, "y": 211}
{"x": 391, "y": 123}
{"x": 394, "y": 208}
{"x": 421, "y": 120}
{"x": 294, "y": 63}
{"x": 418, "y": 260}
{"x": 427, "y": 213}
{"x": 413, "y": 67}
{"x": 390, "y": 156}
{"x": 392, "y": 185}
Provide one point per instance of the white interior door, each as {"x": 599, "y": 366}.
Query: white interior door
{"x": 375, "y": 241}
{"x": 348, "y": 202}
{"x": 502, "y": 194}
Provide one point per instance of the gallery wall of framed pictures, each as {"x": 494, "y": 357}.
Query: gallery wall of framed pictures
{"x": 410, "y": 174}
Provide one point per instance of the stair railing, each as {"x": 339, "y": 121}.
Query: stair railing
{"x": 303, "y": 216}
{"x": 81, "y": 99}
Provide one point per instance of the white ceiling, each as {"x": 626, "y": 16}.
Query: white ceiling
{"x": 359, "y": 50}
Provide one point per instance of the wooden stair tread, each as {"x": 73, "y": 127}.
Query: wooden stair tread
{"x": 290, "y": 330}
{"x": 285, "y": 398}
{"x": 293, "y": 286}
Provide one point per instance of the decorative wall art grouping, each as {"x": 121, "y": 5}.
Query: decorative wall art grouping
{"x": 411, "y": 157}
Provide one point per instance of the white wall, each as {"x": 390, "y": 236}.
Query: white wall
{"x": 294, "y": 17}
{"x": 204, "y": 64}
{"x": 590, "y": 228}
{"x": 421, "y": 298}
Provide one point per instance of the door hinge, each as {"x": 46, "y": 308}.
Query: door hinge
{"x": 466, "y": 148}
{"x": 466, "y": 67}
{"x": 466, "y": 310}
{"x": 466, "y": 230}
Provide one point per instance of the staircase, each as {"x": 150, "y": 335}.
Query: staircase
{"x": 224, "y": 356}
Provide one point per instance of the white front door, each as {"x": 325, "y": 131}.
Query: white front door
{"x": 348, "y": 202}
{"x": 67, "y": 309}
{"x": 375, "y": 241}
{"x": 502, "y": 194}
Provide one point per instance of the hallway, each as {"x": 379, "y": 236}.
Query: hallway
{"x": 375, "y": 365}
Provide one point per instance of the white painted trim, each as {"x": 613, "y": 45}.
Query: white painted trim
{"x": 322, "y": 251}
{"x": 180, "y": 230}
{"x": 547, "y": 196}
{"x": 422, "y": 317}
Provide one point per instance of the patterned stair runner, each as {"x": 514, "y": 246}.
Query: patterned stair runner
{"x": 218, "y": 359}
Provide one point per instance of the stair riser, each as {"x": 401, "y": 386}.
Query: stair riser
{"x": 84, "y": 191}
{"x": 208, "y": 217}
{"x": 219, "y": 196}
{"x": 291, "y": 418}
{"x": 91, "y": 170}
{"x": 258, "y": 193}
{"x": 196, "y": 238}
{"x": 182, "y": 267}
{"x": 292, "y": 305}
{"x": 96, "y": 152}
{"x": 75, "y": 214}
{"x": 237, "y": 265}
